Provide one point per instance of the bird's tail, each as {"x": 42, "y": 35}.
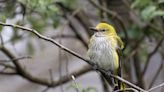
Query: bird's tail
{"x": 119, "y": 85}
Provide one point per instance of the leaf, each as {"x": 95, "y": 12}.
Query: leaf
{"x": 69, "y": 3}
{"x": 140, "y": 3}
{"x": 157, "y": 13}
{"x": 143, "y": 52}
{"x": 147, "y": 12}
{"x": 160, "y": 1}
{"x": 134, "y": 32}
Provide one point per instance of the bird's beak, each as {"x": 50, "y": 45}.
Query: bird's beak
{"x": 93, "y": 29}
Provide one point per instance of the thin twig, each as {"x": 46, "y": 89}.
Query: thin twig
{"x": 158, "y": 86}
{"x": 8, "y": 72}
{"x": 51, "y": 80}
{"x": 69, "y": 22}
{"x": 7, "y": 65}
{"x": 2, "y": 43}
{"x": 156, "y": 74}
{"x": 24, "y": 57}
{"x": 63, "y": 36}
{"x": 128, "y": 83}
{"x": 151, "y": 54}
{"x": 76, "y": 85}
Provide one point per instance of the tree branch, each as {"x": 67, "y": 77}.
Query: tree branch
{"x": 20, "y": 58}
{"x": 151, "y": 54}
{"x": 160, "y": 85}
{"x": 156, "y": 74}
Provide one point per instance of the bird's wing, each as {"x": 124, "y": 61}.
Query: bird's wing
{"x": 120, "y": 54}
{"x": 120, "y": 42}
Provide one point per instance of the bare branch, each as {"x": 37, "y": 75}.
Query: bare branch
{"x": 25, "y": 57}
{"x": 6, "y": 65}
{"x": 151, "y": 54}
{"x": 63, "y": 36}
{"x": 158, "y": 86}
{"x": 156, "y": 74}
{"x": 1, "y": 38}
{"x": 128, "y": 83}
{"x": 8, "y": 73}
{"x": 76, "y": 85}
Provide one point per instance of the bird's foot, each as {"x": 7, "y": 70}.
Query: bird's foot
{"x": 108, "y": 73}
{"x": 95, "y": 67}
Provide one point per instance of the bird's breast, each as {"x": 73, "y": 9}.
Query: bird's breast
{"x": 101, "y": 51}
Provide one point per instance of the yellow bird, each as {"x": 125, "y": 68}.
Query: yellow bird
{"x": 104, "y": 48}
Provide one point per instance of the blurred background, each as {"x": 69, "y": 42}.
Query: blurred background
{"x": 30, "y": 64}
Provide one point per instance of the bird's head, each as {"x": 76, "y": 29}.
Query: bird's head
{"x": 104, "y": 29}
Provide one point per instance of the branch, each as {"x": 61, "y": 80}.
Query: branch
{"x": 156, "y": 74}
{"x": 128, "y": 83}
{"x": 36, "y": 80}
{"x": 63, "y": 36}
{"x": 8, "y": 73}
{"x": 7, "y": 65}
{"x": 49, "y": 40}
{"x": 158, "y": 86}
{"x": 151, "y": 54}
{"x": 21, "y": 71}
{"x": 25, "y": 57}
{"x": 67, "y": 17}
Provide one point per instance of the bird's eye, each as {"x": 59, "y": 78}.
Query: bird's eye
{"x": 102, "y": 30}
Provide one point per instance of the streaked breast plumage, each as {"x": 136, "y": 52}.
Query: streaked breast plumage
{"x": 102, "y": 51}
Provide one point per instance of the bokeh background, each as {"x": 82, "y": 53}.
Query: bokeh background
{"x": 140, "y": 23}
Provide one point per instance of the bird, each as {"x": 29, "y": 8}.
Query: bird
{"x": 104, "y": 50}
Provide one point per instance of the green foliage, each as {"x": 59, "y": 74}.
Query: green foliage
{"x": 160, "y": 1}
{"x": 143, "y": 52}
{"x": 140, "y": 3}
{"x": 134, "y": 32}
{"x": 46, "y": 11}
{"x": 68, "y": 3}
{"x": 150, "y": 12}
{"x": 148, "y": 9}
{"x": 37, "y": 23}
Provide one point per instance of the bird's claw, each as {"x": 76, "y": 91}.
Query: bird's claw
{"x": 95, "y": 67}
